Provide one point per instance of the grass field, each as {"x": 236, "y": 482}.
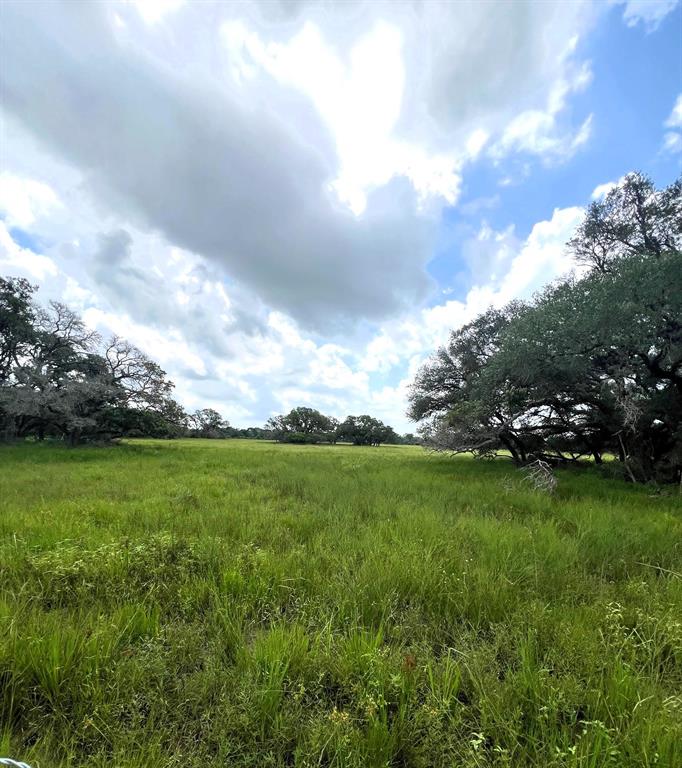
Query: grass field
{"x": 233, "y": 603}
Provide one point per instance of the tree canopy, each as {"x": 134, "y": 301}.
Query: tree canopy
{"x": 58, "y": 378}
{"x": 306, "y": 425}
{"x": 591, "y": 365}
{"x": 366, "y": 430}
{"x": 303, "y": 425}
{"x": 207, "y": 422}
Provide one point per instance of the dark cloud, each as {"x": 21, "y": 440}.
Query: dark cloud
{"x": 125, "y": 284}
{"x": 243, "y": 184}
{"x": 148, "y": 297}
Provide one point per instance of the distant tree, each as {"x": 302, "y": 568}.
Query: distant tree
{"x": 332, "y": 431}
{"x": 253, "y": 433}
{"x": 365, "y": 430}
{"x": 207, "y": 422}
{"x": 173, "y": 417}
{"x": 303, "y": 425}
{"x": 410, "y": 438}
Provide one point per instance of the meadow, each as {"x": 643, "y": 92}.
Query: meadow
{"x": 236, "y": 603}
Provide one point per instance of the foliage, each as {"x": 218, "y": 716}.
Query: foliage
{"x": 633, "y": 218}
{"x": 591, "y": 366}
{"x": 365, "y": 430}
{"x": 17, "y": 319}
{"x": 57, "y": 378}
{"x": 207, "y": 422}
{"x": 303, "y": 425}
{"x": 306, "y": 425}
{"x": 209, "y": 603}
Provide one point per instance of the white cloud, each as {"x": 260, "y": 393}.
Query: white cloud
{"x": 252, "y": 194}
{"x": 675, "y": 119}
{"x": 166, "y": 347}
{"x": 541, "y": 258}
{"x": 233, "y": 139}
{"x": 23, "y": 200}
{"x": 649, "y": 13}
{"x": 23, "y": 262}
{"x": 370, "y": 90}
{"x": 601, "y": 190}
{"x": 153, "y": 11}
{"x": 538, "y": 132}
{"x": 250, "y": 178}
{"x": 672, "y": 140}
{"x": 359, "y": 97}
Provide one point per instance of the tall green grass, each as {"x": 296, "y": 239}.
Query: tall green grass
{"x": 233, "y": 603}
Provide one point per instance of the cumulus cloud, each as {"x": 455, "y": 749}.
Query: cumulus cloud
{"x": 602, "y": 190}
{"x": 23, "y": 262}
{"x": 519, "y": 53}
{"x": 253, "y": 176}
{"x": 538, "y": 131}
{"x": 415, "y": 80}
{"x": 523, "y": 266}
{"x": 23, "y": 200}
{"x": 672, "y": 142}
{"x": 241, "y": 185}
{"x": 359, "y": 97}
{"x": 252, "y": 192}
{"x": 153, "y": 11}
{"x": 675, "y": 119}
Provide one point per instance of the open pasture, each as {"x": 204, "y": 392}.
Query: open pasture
{"x": 239, "y": 603}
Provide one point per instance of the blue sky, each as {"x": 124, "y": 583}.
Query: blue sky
{"x": 293, "y": 205}
{"x": 637, "y": 75}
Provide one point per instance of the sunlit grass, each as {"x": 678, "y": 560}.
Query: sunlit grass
{"x": 235, "y": 603}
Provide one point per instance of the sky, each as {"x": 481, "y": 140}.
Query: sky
{"x": 294, "y": 203}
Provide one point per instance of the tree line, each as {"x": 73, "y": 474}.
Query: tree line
{"x": 591, "y": 366}
{"x": 61, "y": 380}
{"x": 307, "y": 425}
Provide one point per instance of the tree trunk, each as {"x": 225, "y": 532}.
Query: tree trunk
{"x": 507, "y": 443}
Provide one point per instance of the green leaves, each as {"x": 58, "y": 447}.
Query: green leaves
{"x": 591, "y": 365}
